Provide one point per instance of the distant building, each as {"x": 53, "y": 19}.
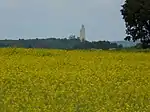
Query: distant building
{"x": 82, "y": 33}
{"x": 112, "y": 48}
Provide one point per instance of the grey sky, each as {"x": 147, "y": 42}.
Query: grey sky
{"x": 59, "y": 18}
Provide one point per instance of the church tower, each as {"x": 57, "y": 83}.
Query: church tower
{"x": 82, "y": 33}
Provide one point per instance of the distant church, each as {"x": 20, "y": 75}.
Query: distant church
{"x": 82, "y": 33}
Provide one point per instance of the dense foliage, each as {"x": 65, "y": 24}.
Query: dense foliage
{"x": 74, "y": 81}
{"x": 71, "y": 43}
{"x": 136, "y": 14}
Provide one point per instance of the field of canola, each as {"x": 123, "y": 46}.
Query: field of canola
{"x": 36, "y": 80}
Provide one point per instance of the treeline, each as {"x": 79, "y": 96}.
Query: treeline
{"x": 53, "y": 43}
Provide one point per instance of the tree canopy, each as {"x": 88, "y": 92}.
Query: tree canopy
{"x": 57, "y": 43}
{"x": 136, "y": 14}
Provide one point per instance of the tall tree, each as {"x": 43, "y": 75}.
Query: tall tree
{"x": 136, "y": 14}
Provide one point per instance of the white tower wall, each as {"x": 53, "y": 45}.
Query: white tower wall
{"x": 82, "y": 33}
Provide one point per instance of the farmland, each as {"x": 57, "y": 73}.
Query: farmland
{"x": 37, "y": 80}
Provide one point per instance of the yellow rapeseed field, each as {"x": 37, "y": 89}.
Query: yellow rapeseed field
{"x": 37, "y": 80}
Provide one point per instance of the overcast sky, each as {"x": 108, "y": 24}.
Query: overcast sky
{"x": 60, "y": 18}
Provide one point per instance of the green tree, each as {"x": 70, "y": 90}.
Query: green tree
{"x": 30, "y": 46}
{"x": 136, "y": 14}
